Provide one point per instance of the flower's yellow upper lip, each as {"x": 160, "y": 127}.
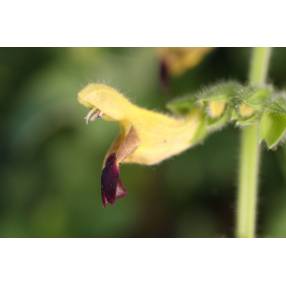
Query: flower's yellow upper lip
{"x": 108, "y": 100}
{"x": 82, "y": 97}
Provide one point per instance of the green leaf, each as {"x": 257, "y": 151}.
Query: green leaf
{"x": 272, "y": 128}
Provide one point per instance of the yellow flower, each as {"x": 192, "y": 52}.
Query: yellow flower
{"x": 178, "y": 60}
{"x": 146, "y": 137}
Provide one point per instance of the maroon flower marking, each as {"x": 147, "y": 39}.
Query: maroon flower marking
{"x": 111, "y": 186}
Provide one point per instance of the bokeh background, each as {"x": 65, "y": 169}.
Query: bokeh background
{"x": 50, "y": 160}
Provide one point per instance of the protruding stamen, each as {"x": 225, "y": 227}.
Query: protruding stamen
{"x": 92, "y": 115}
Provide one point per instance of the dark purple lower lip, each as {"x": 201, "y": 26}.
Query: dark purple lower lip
{"x": 111, "y": 186}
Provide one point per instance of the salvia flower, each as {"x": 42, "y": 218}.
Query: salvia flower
{"x": 178, "y": 60}
{"x": 146, "y": 137}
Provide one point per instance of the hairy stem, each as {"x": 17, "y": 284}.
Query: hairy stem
{"x": 250, "y": 154}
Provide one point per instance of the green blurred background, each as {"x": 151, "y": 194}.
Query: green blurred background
{"x": 50, "y": 160}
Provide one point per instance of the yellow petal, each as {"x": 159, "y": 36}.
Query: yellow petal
{"x": 159, "y": 136}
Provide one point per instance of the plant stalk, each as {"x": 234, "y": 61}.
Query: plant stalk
{"x": 250, "y": 154}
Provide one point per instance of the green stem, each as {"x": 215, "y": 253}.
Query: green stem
{"x": 250, "y": 154}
